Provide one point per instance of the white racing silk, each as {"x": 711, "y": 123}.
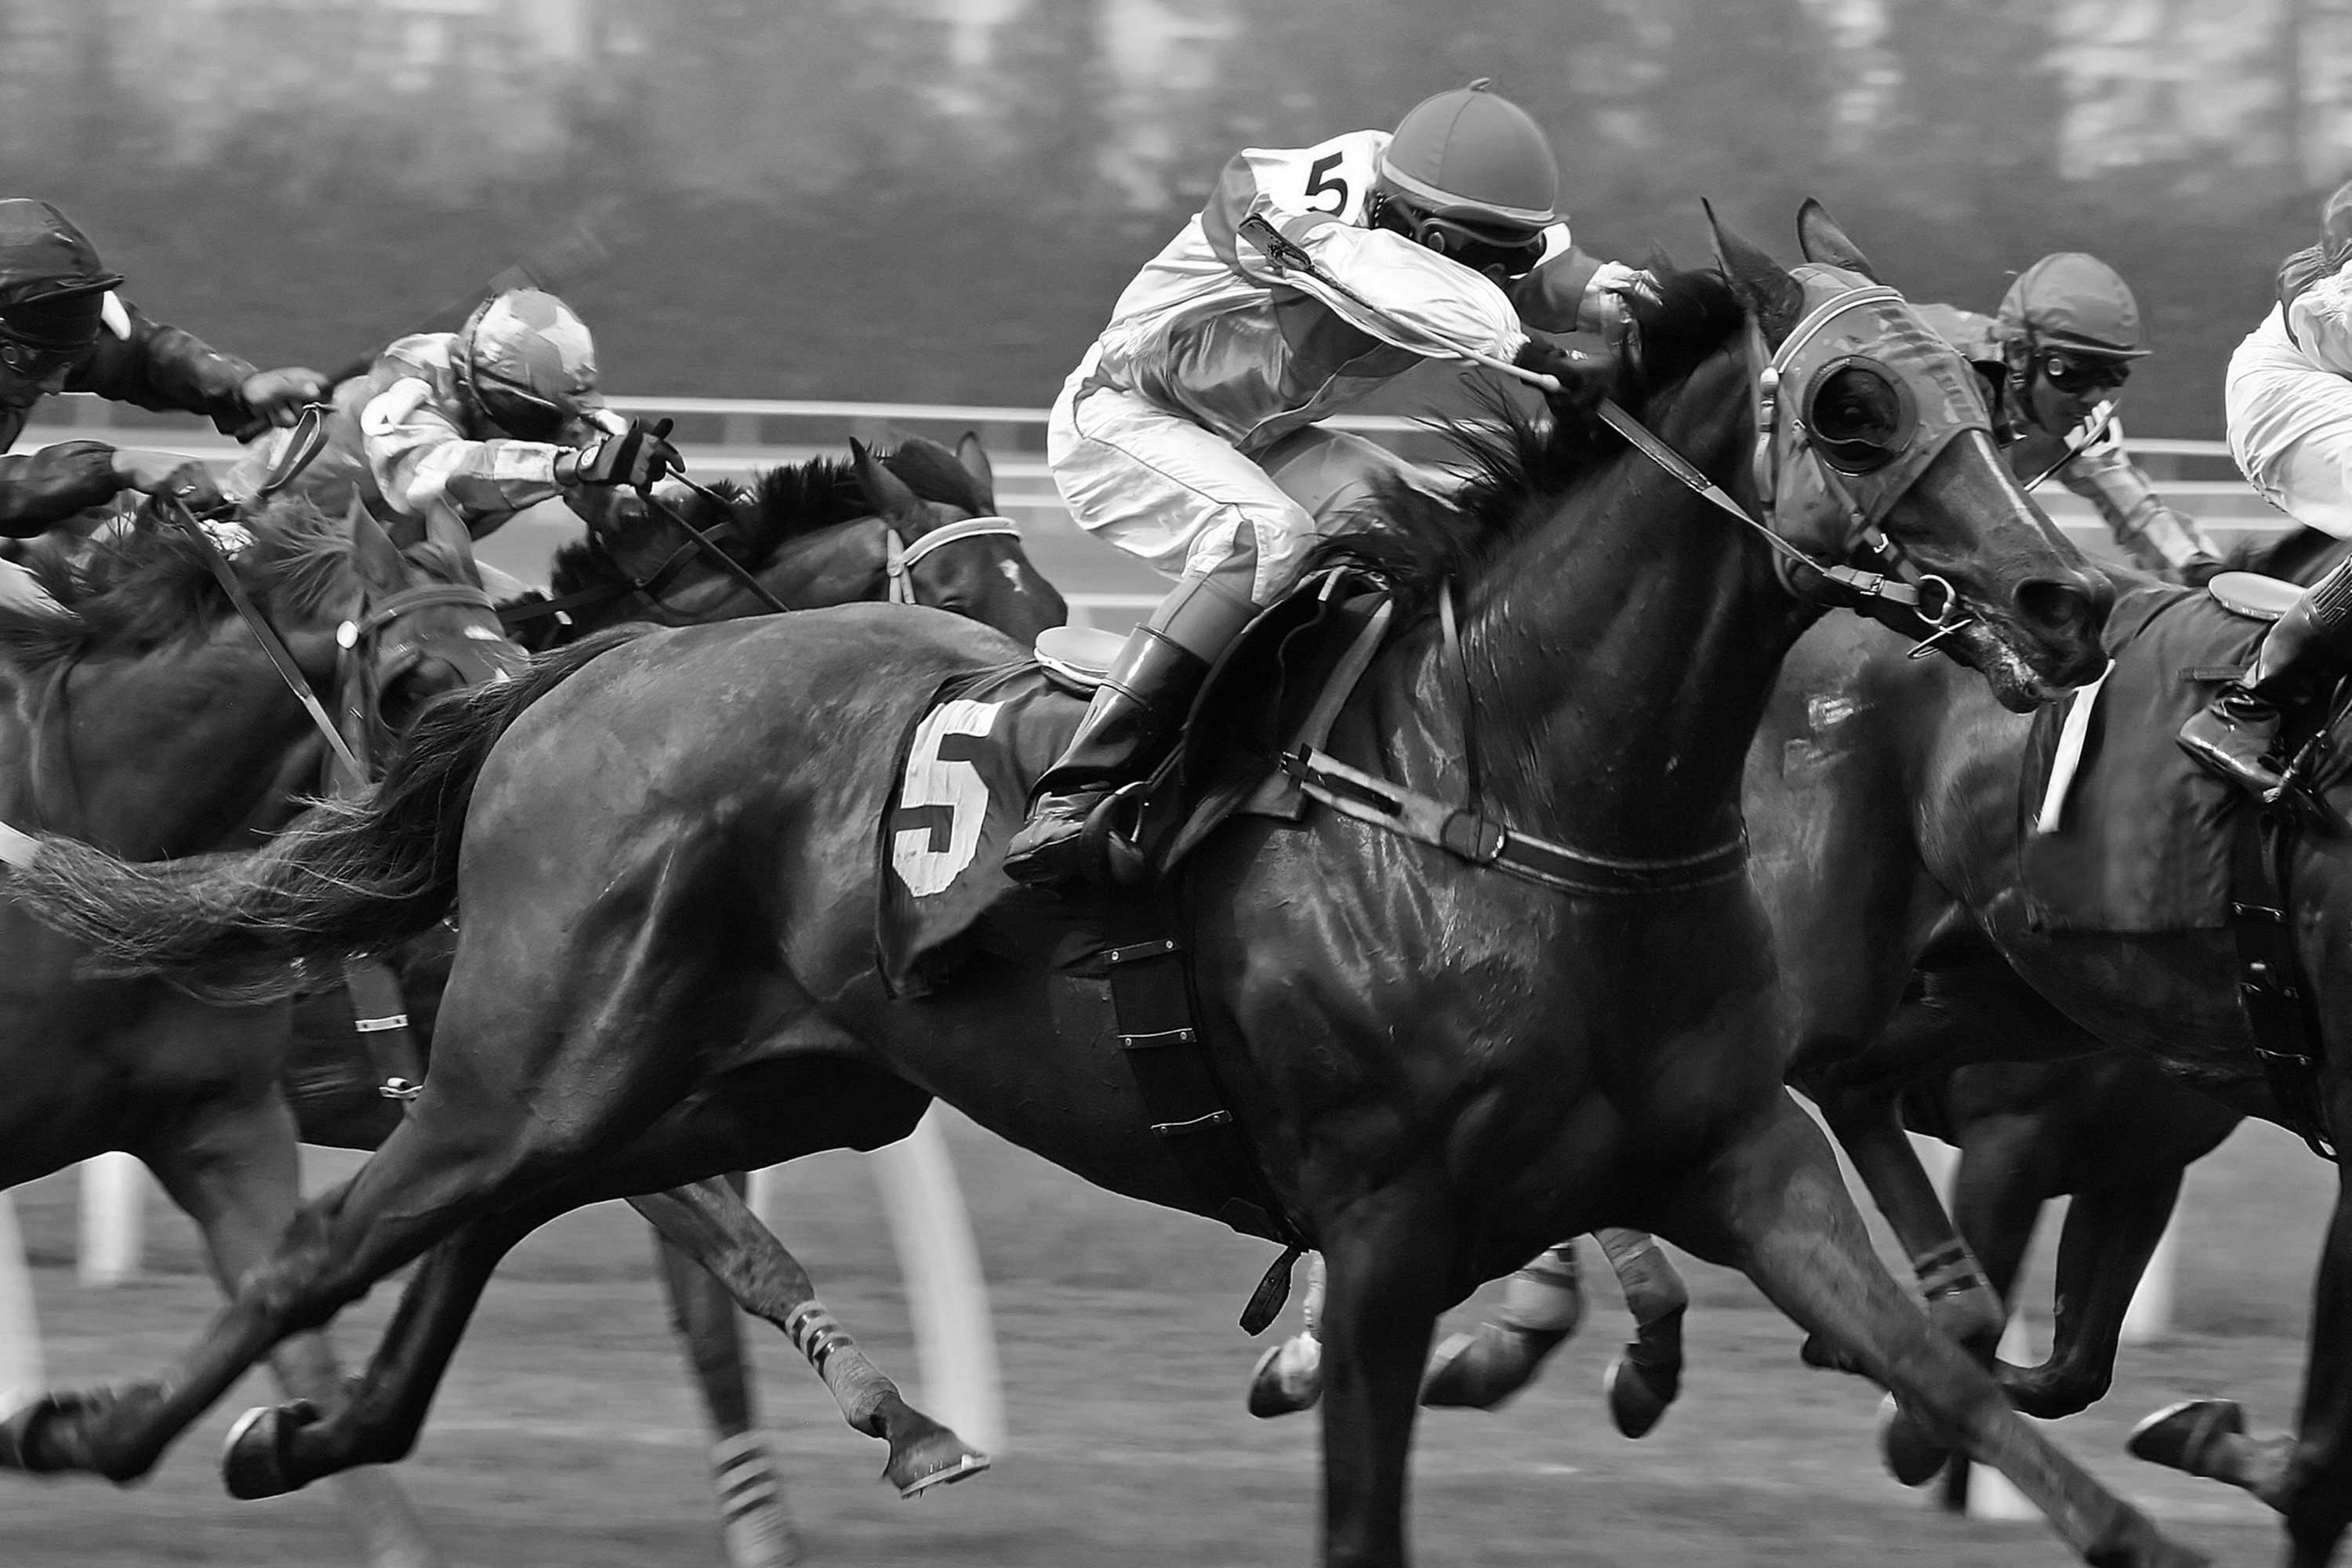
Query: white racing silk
{"x": 2288, "y": 397}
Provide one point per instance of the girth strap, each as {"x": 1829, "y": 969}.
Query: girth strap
{"x": 2271, "y": 987}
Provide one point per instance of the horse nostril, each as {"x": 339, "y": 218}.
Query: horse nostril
{"x": 2076, "y": 606}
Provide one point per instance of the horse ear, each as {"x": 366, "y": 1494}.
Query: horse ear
{"x": 974, "y": 459}
{"x": 1774, "y": 298}
{"x": 1823, "y": 241}
{"x": 442, "y": 528}
{"x": 380, "y": 562}
{"x": 886, "y": 492}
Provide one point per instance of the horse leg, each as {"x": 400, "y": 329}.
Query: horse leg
{"x": 710, "y": 1222}
{"x": 751, "y": 1509}
{"x": 2307, "y": 1477}
{"x": 1774, "y": 1205}
{"x": 1386, "y": 1286}
{"x": 532, "y": 1071}
{"x": 1542, "y": 1305}
{"x": 1289, "y": 1377}
{"x": 234, "y": 1169}
{"x": 2109, "y": 1236}
{"x": 1647, "y": 1373}
{"x": 2003, "y": 1177}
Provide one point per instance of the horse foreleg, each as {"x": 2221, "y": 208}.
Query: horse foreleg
{"x": 236, "y": 1172}
{"x": 1773, "y": 1204}
{"x": 1647, "y": 1374}
{"x": 712, "y": 1223}
{"x": 757, "y": 1523}
{"x": 1541, "y": 1306}
{"x": 2109, "y": 1236}
{"x": 2004, "y": 1174}
{"x": 1385, "y": 1256}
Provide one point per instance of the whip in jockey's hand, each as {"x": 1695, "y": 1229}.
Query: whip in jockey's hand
{"x": 636, "y": 456}
{"x": 1584, "y": 379}
{"x": 278, "y": 397}
{"x": 1311, "y": 275}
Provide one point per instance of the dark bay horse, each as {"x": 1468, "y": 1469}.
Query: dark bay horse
{"x": 665, "y": 850}
{"x": 150, "y": 721}
{"x": 918, "y": 526}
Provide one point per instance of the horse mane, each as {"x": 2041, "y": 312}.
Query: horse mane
{"x": 134, "y": 590}
{"x": 787, "y": 504}
{"x": 1418, "y": 541}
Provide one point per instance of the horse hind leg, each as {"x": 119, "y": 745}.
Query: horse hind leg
{"x": 754, "y": 1517}
{"x": 1774, "y": 1205}
{"x": 711, "y": 1224}
{"x": 1542, "y": 1305}
{"x": 235, "y": 1173}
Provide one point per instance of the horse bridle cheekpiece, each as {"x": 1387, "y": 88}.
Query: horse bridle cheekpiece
{"x": 378, "y": 648}
{"x": 1856, "y": 402}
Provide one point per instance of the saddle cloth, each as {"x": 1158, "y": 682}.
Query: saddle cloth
{"x": 975, "y": 750}
{"x": 2141, "y": 841}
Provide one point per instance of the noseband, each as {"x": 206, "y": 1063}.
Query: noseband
{"x": 898, "y": 557}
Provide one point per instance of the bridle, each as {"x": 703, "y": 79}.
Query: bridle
{"x": 376, "y": 649}
{"x": 898, "y": 557}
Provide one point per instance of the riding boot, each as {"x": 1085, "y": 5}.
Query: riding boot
{"x": 2305, "y": 649}
{"x": 1137, "y": 714}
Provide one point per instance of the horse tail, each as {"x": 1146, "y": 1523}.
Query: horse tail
{"x": 347, "y": 876}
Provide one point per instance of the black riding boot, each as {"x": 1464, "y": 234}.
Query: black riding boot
{"x": 1136, "y": 716}
{"x": 2305, "y": 649}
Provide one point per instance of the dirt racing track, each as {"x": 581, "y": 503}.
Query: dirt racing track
{"x": 568, "y": 1434}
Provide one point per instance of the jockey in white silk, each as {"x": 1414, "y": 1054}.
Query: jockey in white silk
{"x": 2289, "y": 405}
{"x": 1216, "y": 365}
{"x": 486, "y": 421}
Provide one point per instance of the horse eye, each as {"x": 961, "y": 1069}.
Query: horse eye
{"x": 1858, "y": 417}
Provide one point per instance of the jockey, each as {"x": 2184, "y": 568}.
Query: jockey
{"x": 497, "y": 417}
{"x": 2056, "y": 356}
{"x": 63, "y": 328}
{"x": 1215, "y": 366}
{"x": 2288, "y": 402}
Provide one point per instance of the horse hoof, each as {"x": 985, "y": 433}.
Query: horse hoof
{"x": 1635, "y": 1403}
{"x": 1287, "y": 1379}
{"x": 1481, "y": 1371}
{"x": 1910, "y": 1455}
{"x": 20, "y": 1436}
{"x": 2181, "y": 1435}
{"x": 934, "y": 1456}
{"x": 253, "y": 1460}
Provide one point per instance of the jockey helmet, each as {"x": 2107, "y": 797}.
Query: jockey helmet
{"x": 1470, "y": 174}
{"x": 529, "y": 363}
{"x": 52, "y": 288}
{"x": 2075, "y": 303}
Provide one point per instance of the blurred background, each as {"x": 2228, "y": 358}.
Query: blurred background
{"x": 922, "y": 201}
{"x": 938, "y": 199}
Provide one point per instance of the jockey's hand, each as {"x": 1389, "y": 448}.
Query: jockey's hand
{"x": 1584, "y": 378}
{"x": 636, "y": 456}
{"x": 276, "y": 397}
{"x": 168, "y": 474}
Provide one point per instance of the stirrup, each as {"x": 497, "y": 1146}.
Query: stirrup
{"x": 1108, "y": 855}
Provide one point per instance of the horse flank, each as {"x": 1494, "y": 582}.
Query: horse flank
{"x": 349, "y": 876}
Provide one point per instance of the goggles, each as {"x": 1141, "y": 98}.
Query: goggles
{"x": 1511, "y": 252}
{"x": 521, "y": 413}
{"x": 41, "y": 336}
{"x": 28, "y": 362}
{"x": 2076, "y": 373}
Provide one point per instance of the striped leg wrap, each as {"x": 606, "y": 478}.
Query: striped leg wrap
{"x": 1948, "y": 1270}
{"x": 746, "y": 1474}
{"x": 815, "y": 1334}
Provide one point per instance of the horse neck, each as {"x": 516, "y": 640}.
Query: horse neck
{"x": 1619, "y": 658}
{"x": 172, "y": 753}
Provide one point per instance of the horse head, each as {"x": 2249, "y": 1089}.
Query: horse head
{"x": 420, "y": 624}
{"x": 945, "y": 544}
{"x": 1874, "y": 453}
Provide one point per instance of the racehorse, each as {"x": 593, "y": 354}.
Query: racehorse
{"x": 148, "y": 720}
{"x": 919, "y": 526}
{"x": 665, "y": 845}
{"x": 916, "y": 526}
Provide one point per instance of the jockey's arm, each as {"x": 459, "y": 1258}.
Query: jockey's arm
{"x": 1570, "y": 291}
{"x": 41, "y": 489}
{"x": 2157, "y": 538}
{"x": 142, "y": 361}
{"x": 419, "y": 456}
{"x": 2319, "y": 319}
{"x": 1415, "y": 290}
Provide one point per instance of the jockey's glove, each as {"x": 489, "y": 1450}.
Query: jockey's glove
{"x": 168, "y": 474}
{"x": 278, "y": 396}
{"x": 1584, "y": 378}
{"x": 636, "y": 456}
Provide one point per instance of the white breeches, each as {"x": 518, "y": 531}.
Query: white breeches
{"x": 2309, "y": 476}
